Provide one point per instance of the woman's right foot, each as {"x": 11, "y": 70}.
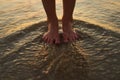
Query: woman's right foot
{"x": 52, "y": 35}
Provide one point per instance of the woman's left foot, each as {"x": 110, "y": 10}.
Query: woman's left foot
{"x": 69, "y": 34}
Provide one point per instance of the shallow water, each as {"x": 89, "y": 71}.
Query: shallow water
{"x": 24, "y": 55}
{"x": 16, "y": 14}
{"x": 105, "y": 13}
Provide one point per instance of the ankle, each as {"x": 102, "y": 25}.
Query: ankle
{"x": 67, "y": 26}
{"x": 52, "y": 20}
{"x": 67, "y": 19}
{"x": 53, "y": 26}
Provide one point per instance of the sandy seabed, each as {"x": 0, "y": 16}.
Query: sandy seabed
{"x": 95, "y": 55}
{"x": 25, "y": 56}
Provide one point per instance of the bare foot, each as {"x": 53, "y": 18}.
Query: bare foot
{"x": 52, "y": 36}
{"x": 69, "y": 33}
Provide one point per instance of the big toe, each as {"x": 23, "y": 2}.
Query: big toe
{"x": 65, "y": 39}
{"x": 57, "y": 41}
{"x": 50, "y": 41}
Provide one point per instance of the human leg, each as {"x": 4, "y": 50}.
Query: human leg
{"x": 52, "y": 34}
{"x": 68, "y": 33}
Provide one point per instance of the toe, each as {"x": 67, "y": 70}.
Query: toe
{"x": 70, "y": 39}
{"x": 51, "y": 41}
{"x": 57, "y": 41}
{"x": 78, "y": 35}
{"x": 65, "y": 40}
{"x": 73, "y": 38}
{"x": 45, "y": 39}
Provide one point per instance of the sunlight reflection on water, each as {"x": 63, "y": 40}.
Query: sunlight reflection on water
{"x": 14, "y": 13}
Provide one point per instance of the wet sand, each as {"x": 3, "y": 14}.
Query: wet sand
{"x": 25, "y": 56}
